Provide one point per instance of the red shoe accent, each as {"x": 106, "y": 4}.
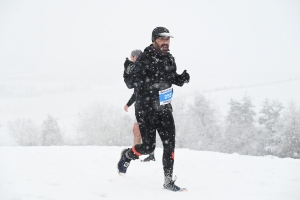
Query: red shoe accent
{"x": 135, "y": 152}
{"x": 173, "y": 155}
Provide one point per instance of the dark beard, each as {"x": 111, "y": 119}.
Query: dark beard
{"x": 159, "y": 48}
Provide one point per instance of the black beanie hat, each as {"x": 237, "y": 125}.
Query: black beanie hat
{"x": 160, "y": 32}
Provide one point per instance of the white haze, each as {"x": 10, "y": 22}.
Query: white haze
{"x": 56, "y": 57}
{"x": 59, "y": 57}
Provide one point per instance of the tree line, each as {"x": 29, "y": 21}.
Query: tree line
{"x": 275, "y": 130}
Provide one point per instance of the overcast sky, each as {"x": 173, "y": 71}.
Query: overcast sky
{"x": 221, "y": 43}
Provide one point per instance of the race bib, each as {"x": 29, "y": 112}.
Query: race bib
{"x": 165, "y": 96}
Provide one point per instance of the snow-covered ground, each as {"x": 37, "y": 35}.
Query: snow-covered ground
{"x": 81, "y": 173}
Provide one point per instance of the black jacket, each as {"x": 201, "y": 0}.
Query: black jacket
{"x": 152, "y": 72}
{"x": 132, "y": 99}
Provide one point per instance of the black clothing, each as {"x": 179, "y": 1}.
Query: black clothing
{"x": 163, "y": 122}
{"x": 132, "y": 99}
{"x": 151, "y": 73}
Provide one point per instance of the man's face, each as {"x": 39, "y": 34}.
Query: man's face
{"x": 162, "y": 44}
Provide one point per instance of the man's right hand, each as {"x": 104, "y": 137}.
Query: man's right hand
{"x": 126, "y": 108}
{"x": 128, "y": 66}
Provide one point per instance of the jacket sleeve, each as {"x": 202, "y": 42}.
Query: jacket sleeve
{"x": 177, "y": 80}
{"x": 128, "y": 79}
{"x": 132, "y": 99}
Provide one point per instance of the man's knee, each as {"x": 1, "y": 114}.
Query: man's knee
{"x": 169, "y": 144}
{"x": 148, "y": 148}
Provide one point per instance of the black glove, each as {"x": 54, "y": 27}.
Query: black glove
{"x": 185, "y": 77}
{"x": 128, "y": 66}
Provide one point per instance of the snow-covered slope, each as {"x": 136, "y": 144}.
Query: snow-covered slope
{"x": 65, "y": 106}
{"x": 81, "y": 173}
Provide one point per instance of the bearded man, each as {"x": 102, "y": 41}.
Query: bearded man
{"x": 152, "y": 77}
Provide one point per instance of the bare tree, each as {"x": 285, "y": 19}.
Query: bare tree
{"x": 102, "y": 124}
{"x": 25, "y": 132}
{"x": 198, "y": 123}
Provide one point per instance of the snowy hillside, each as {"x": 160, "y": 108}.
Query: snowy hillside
{"x": 80, "y": 173}
{"x": 65, "y": 106}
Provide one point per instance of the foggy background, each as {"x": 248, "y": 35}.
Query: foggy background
{"x": 60, "y": 60}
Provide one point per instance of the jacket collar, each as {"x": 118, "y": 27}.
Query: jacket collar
{"x": 151, "y": 51}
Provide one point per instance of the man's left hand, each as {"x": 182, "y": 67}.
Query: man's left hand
{"x": 185, "y": 77}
